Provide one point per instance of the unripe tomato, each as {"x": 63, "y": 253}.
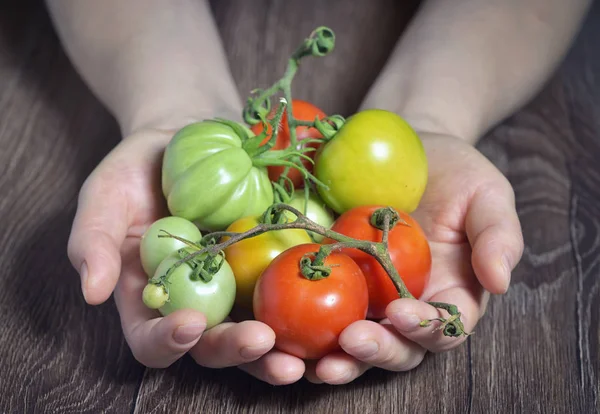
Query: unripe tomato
{"x": 375, "y": 158}
{"x": 209, "y": 179}
{"x": 154, "y": 249}
{"x": 214, "y": 298}
{"x": 315, "y": 209}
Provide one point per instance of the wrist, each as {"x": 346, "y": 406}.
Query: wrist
{"x": 175, "y": 117}
{"x": 427, "y": 117}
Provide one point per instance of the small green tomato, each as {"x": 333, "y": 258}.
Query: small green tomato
{"x": 316, "y": 210}
{"x": 214, "y": 299}
{"x": 154, "y": 296}
{"x": 154, "y": 249}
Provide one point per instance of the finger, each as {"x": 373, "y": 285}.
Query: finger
{"x": 380, "y": 345}
{"x": 230, "y": 344}
{"x": 98, "y": 231}
{"x": 159, "y": 342}
{"x": 154, "y": 341}
{"x": 406, "y": 314}
{"x": 495, "y": 235}
{"x": 276, "y": 368}
{"x": 310, "y": 372}
{"x": 339, "y": 368}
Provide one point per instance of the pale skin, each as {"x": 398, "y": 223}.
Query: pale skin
{"x": 459, "y": 69}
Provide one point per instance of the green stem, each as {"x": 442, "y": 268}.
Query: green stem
{"x": 300, "y": 122}
{"x": 320, "y": 42}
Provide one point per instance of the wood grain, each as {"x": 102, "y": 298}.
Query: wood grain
{"x": 535, "y": 351}
{"x": 58, "y": 354}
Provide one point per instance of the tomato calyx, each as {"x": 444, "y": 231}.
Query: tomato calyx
{"x": 329, "y": 126}
{"x": 204, "y": 269}
{"x": 311, "y": 270}
{"x": 386, "y": 217}
{"x": 451, "y": 326}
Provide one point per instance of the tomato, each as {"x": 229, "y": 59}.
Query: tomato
{"x": 250, "y": 257}
{"x": 316, "y": 210}
{"x": 155, "y": 296}
{"x": 375, "y": 158}
{"x": 210, "y": 179}
{"x": 214, "y": 299}
{"x": 302, "y": 111}
{"x": 309, "y": 315}
{"x": 408, "y": 248}
{"x": 154, "y": 249}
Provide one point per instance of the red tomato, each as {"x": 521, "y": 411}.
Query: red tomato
{"x": 302, "y": 111}
{"x": 408, "y": 248}
{"x": 309, "y": 315}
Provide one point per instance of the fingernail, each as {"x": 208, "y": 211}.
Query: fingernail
{"x": 407, "y": 322}
{"x": 506, "y": 267}
{"x": 187, "y": 333}
{"x": 250, "y": 352}
{"x": 364, "y": 350}
{"x": 83, "y": 273}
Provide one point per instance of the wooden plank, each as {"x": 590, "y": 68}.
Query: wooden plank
{"x": 536, "y": 350}
{"x": 260, "y": 35}
{"x": 524, "y": 350}
{"x": 58, "y": 354}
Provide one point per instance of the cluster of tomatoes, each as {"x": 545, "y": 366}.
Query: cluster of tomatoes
{"x": 213, "y": 182}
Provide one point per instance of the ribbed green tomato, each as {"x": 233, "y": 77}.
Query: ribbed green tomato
{"x": 214, "y": 299}
{"x": 376, "y": 158}
{"x": 154, "y": 249}
{"x": 209, "y": 179}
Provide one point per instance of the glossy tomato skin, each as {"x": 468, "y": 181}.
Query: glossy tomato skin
{"x": 408, "y": 248}
{"x": 154, "y": 249}
{"x": 309, "y": 315}
{"x": 209, "y": 179}
{"x": 315, "y": 209}
{"x": 214, "y": 299}
{"x": 303, "y": 111}
{"x": 375, "y": 158}
{"x": 250, "y": 257}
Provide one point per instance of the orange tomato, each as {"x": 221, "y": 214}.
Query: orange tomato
{"x": 303, "y": 111}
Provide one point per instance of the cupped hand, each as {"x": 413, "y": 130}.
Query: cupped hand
{"x": 468, "y": 214}
{"x": 117, "y": 203}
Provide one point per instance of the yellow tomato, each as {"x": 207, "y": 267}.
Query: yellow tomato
{"x": 250, "y": 257}
{"x": 376, "y": 158}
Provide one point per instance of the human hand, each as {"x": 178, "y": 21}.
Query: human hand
{"x": 117, "y": 203}
{"x": 469, "y": 216}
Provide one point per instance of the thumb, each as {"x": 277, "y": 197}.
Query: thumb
{"x": 98, "y": 231}
{"x": 495, "y": 235}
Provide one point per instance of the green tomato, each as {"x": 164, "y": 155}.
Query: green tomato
{"x": 155, "y": 296}
{"x": 316, "y": 210}
{"x": 214, "y": 299}
{"x": 208, "y": 178}
{"x": 154, "y": 249}
{"x": 376, "y": 158}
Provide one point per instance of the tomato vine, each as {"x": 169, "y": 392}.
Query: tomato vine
{"x": 314, "y": 269}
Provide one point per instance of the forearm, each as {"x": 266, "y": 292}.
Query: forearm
{"x": 463, "y": 66}
{"x": 153, "y": 63}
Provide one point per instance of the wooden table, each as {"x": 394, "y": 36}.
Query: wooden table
{"x": 535, "y": 351}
